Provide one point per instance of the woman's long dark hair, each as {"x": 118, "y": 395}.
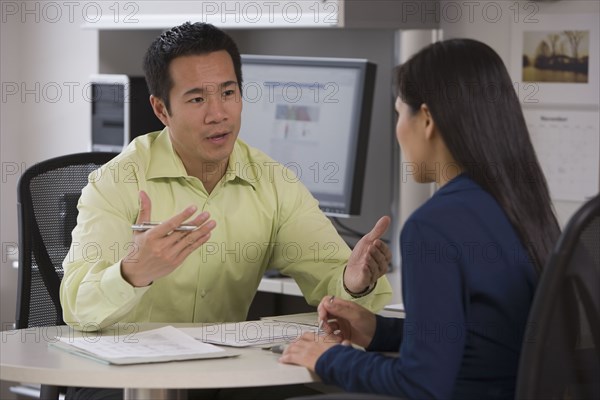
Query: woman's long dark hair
{"x": 473, "y": 103}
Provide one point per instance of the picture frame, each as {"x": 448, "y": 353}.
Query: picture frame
{"x": 554, "y": 59}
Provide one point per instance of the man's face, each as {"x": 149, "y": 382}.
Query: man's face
{"x": 206, "y": 108}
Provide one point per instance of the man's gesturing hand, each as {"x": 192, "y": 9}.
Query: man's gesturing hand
{"x": 160, "y": 250}
{"x": 369, "y": 259}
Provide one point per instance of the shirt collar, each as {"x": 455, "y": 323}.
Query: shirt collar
{"x": 165, "y": 163}
{"x": 241, "y": 167}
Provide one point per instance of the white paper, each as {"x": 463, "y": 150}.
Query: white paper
{"x": 309, "y": 318}
{"x": 249, "y": 333}
{"x": 166, "y": 341}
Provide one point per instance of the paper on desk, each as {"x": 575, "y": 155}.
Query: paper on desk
{"x": 308, "y": 318}
{"x": 157, "y": 345}
{"x": 249, "y": 333}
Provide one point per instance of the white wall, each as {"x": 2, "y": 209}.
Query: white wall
{"x": 10, "y": 151}
{"x": 46, "y": 61}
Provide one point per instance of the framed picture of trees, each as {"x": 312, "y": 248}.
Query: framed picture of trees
{"x": 555, "y": 59}
{"x": 556, "y": 56}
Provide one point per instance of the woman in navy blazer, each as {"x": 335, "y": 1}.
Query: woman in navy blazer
{"x": 470, "y": 255}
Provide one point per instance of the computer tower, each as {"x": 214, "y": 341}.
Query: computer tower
{"x": 121, "y": 111}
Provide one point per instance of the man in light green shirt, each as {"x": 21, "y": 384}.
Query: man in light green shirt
{"x": 251, "y": 212}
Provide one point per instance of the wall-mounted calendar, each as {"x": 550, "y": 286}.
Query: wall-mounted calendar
{"x": 567, "y": 144}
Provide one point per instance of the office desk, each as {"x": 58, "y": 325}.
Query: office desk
{"x": 26, "y": 357}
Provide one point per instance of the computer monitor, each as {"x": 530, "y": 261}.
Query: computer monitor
{"x": 312, "y": 115}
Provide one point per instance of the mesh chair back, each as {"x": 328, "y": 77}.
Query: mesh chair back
{"x": 48, "y": 193}
{"x": 560, "y": 358}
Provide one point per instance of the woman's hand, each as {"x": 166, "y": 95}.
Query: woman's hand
{"x": 347, "y": 320}
{"x": 307, "y": 349}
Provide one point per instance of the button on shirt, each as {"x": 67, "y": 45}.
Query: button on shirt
{"x": 265, "y": 219}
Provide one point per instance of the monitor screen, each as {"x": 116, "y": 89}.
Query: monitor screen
{"x": 312, "y": 115}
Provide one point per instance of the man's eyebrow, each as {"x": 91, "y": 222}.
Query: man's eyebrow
{"x": 209, "y": 88}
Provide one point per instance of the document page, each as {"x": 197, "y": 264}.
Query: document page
{"x": 309, "y": 318}
{"x": 162, "y": 344}
{"x": 249, "y": 333}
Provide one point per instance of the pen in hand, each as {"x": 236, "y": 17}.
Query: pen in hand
{"x": 329, "y": 321}
{"x": 144, "y": 226}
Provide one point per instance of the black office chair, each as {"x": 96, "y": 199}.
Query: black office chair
{"x": 560, "y": 358}
{"x": 47, "y": 210}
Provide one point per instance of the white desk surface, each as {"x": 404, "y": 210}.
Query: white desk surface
{"x": 26, "y": 357}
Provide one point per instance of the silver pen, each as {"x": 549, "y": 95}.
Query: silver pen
{"x": 329, "y": 321}
{"x": 144, "y": 226}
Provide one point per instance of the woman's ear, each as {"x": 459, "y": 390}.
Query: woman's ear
{"x": 430, "y": 127}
